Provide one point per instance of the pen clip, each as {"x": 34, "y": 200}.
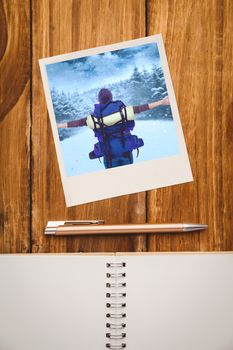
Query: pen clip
{"x": 83, "y": 222}
{"x": 52, "y": 226}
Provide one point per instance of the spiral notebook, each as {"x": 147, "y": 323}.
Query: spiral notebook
{"x": 135, "y": 302}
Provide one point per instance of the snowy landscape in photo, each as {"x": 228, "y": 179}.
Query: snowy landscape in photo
{"x": 159, "y": 137}
{"x": 133, "y": 75}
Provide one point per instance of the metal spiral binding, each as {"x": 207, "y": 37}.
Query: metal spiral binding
{"x": 115, "y": 295}
{"x": 116, "y": 336}
{"x": 117, "y": 305}
{"x": 115, "y": 285}
{"x": 115, "y": 275}
{"x": 116, "y": 264}
{"x": 122, "y": 315}
{"x": 116, "y": 326}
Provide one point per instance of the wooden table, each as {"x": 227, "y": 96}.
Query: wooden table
{"x": 198, "y": 40}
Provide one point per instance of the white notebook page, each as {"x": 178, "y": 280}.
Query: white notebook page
{"x": 52, "y": 302}
{"x": 180, "y": 302}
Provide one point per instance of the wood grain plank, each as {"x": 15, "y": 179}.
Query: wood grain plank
{"x": 198, "y": 41}
{"x": 15, "y": 127}
{"x": 227, "y": 128}
{"x": 14, "y": 52}
{"x": 60, "y": 27}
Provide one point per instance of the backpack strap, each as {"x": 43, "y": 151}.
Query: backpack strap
{"x": 123, "y": 115}
{"x": 123, "y": 124}
{"x": 106, "y": 141}
{"x": 94, "y": 121}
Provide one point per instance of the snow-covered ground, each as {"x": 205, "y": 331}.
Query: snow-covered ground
{"x": 159, "y": 136}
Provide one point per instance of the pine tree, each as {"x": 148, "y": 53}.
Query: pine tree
{"x": 136, "y": 77}
{"x": 135, "y": 87}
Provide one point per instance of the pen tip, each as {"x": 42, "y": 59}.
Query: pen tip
{"x": 195, "y": 227}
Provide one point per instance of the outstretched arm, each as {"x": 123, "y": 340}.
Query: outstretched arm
{"x": 73, "y": 124}
{"x": 146, "y": 107}
{"x": 62, "y": 125}
{"x": 163, "y": 102}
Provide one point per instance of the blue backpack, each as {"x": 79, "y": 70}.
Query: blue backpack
{"x": 116, "y": 140}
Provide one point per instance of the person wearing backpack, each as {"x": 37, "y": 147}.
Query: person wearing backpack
{"x": 112, "y": 123}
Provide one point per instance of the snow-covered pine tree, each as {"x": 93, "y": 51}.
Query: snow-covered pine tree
{"x": 157, "y": 86}
{"x": 135, "y": 86}
{"x": 57, "y": 104}
{"x": 77, "y": 105}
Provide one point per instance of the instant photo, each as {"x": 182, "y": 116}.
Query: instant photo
{"x": 115, "y": 120}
